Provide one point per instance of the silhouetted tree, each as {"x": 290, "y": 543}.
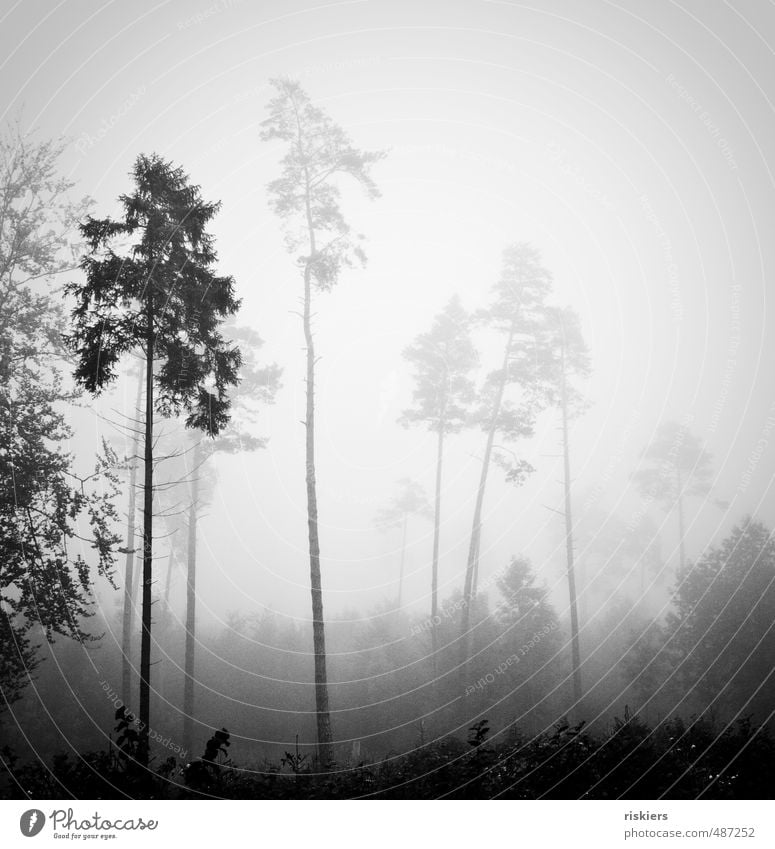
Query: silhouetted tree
{"x": 443, "y": 360}
{"x": 162, "y": 297}
{"x": 674, "y": 466}
{"x": 306, "y": 197}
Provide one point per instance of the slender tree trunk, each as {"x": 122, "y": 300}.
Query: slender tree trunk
{"x": 435, "y": 561}
{"x": 476, "y": 530}
{"x": 681, "y": 544}
{"x": 582, "y": 575}
{"x": 325, "y": 736}
{"x": 578, "y": 691}
{"x": 475, "y": 576}
{"x": 135, "y": 595}
{"x": 130, "y": 593}
{"x": 136, "y": 584}
{"x": 168, "y": 581}
{"x": 403, "y": 561}
{"x": 165, "y": 622}
{"x": 145, "y": 643}
{"x": 325, "y": 751}
{"x": 188, "y": 670}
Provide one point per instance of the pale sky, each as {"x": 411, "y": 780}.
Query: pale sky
{"x": 631, "y": 142}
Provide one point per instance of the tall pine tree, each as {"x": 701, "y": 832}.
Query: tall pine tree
{"x": 514, "y": 394}
{"x": 571, "y": 362}
{"x": 306, "y": 196}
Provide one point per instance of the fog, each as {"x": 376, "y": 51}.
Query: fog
{"x": 629, "y": 143}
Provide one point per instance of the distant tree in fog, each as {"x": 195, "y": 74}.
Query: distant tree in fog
{"x": 523, "y": 601}
{"x": 411, "y": 500}
{"x": 258, "y": 385}
{"x": 319, "y": 153}
{"x": 45, "y": 584}
{"x": 514, "y": 668}
{"x": 616, "y": 556}
{"x": 514, "y": 394}
{"x": 162, "y": 297}
{"x": 443, "y": 360}
{"x": 674, "y": 466}
{"x": 571, "y": 363}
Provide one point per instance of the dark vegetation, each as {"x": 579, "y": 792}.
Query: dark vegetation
{"x": 488, "y": 693}
{"x": 630, "y": 761}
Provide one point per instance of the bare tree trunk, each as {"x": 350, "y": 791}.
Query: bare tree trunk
{"x": 476, "y": 530}
{"x": 681, "y": 531}
{"x": 325, "y": 736}
{"x": 135, "y": 595}
{"x": 189, "y": 662}
{"x": 578, "y": 691}
{"x": 145, "y": 643}
{"x": 168, "y": 581}
{"x": 130, "y": 593}
{"x": 435, "y": 561}
{"x": 403, "y": 560}
{"x": 475, "y": 576}
{"x": 163, "y": 628}
{"x": 325, "y": 751}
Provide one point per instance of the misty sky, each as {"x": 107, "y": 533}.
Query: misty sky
{"x": 631, "y": 142}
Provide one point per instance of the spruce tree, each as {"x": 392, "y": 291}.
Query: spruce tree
{"x": 163, "y": 298}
